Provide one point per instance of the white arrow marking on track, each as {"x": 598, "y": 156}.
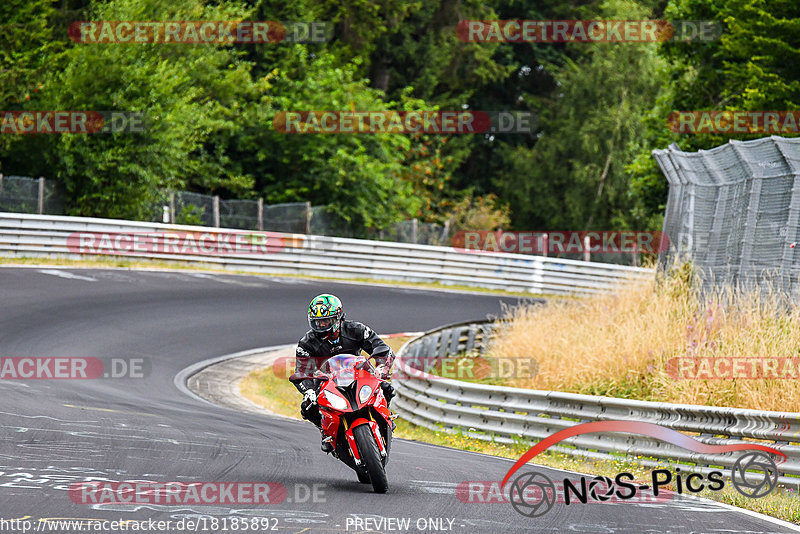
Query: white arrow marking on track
{"x": 67, "y": 275}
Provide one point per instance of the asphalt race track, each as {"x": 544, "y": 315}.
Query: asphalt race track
{"x": 58, "y": 432}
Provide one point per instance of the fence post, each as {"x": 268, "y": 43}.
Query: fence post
{"x": 1, "y": 185}
{"x": 260, "y": 214}
{"x": 587, "y": 254}
{"x": 445, "y": 233}
{"x": 216, "y": 211}
{"x": 414, "y": 230}
{"x": 172, "y": 217}
{"x": 41, "y": 195}
{"x": 308, "y": 218}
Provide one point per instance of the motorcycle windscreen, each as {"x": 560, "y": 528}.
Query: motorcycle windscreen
{"x": 341, "y": 368}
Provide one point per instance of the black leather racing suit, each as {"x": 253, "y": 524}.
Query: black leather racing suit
{"x": 313, "y": 350}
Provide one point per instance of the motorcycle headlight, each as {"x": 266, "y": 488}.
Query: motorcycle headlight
{"x": 335, "y": 400}
{"x": 364, "y": 393}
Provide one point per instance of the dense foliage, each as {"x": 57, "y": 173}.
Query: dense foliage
{"x": 602, "y": 107}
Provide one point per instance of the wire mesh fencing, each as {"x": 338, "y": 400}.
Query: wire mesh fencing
{"x": 293, "y": 217}
{"x": 734, "y": 213}
{"x": 183, "y": 207}
{"x": 193, "y": 208}
{"x": 413, "y": 231}
{"x": 242, "y": 214}
{"x": 325, "y": 221}
{"x": 23, "y": 194}
{"x": 39, "y": 195}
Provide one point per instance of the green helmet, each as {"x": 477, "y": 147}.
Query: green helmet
{"x": 325, "y": 314}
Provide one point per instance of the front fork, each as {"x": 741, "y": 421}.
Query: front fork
{"x": 351, "y": 440}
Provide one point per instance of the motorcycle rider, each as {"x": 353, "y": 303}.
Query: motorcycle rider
{"x": 330, "y": 335}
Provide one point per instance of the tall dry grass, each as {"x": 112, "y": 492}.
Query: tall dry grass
{"x": 619, "y": 344}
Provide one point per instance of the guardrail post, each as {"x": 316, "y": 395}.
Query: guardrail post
{"x": 216, "y": 211}
{"x": 308, "y": 218}
{"x": 433, "y": 344}
{"x": 260, "y": 214}
{"x": 471, "y": 338}
{"x": 444, "y": 344}
{"x": 41, "y": 196}
{"x": 455, "y": 336}
{"x": 487, "y": 333}
{"x": 172, "y": 217}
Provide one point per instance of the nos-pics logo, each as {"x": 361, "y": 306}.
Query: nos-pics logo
{"x": 532, "y": 494}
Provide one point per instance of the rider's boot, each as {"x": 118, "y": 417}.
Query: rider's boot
{"x": 327, "y": 443}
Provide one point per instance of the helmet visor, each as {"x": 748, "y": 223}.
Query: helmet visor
{"x": 321, "y": 324}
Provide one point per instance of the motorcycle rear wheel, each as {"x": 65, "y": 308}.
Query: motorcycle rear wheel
{"x": 371, "y": 456}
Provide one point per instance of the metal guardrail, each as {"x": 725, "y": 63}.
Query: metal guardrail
{"x": 513, "y": 415}
{"x": 27, "y": 235}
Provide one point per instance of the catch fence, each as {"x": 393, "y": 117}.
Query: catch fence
{"x": 734, "y": 213}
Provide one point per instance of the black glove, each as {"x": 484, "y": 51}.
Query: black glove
{"x": 388, "y": 391}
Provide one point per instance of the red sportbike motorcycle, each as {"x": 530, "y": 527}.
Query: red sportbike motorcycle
{"x": 356, "y": 417}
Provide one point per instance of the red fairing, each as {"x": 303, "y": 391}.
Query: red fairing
{"x": 330, "y": 423}
{"x": 380, "y": 404}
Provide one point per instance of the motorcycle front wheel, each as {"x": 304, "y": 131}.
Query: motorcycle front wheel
{"x": 371, "y": 456}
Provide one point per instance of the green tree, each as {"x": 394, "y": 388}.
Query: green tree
{"x": 211, "y": 109}
{"x": 574, "y": 177}
{"x": 754, "y": 66}
{"x": 358, "y": 176}
{"x": 27, "y": 49}
{"x": 190, "y": 94}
